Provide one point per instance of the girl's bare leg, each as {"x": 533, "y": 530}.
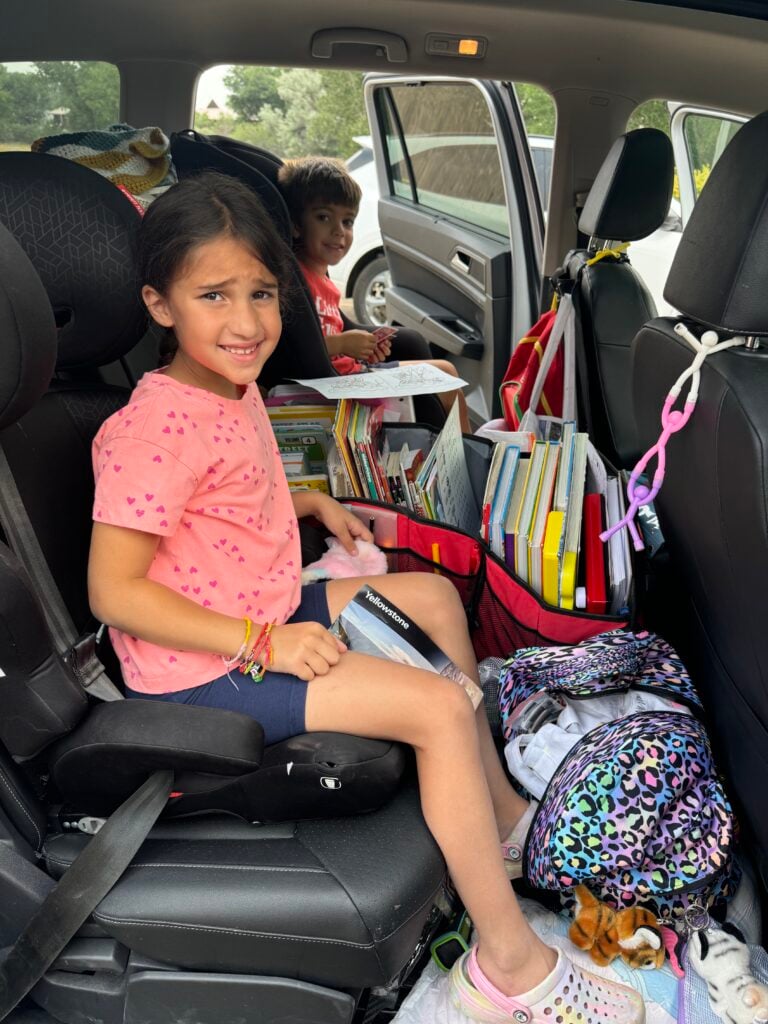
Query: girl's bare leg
{"x": 433, "y": 603}
{"x": 370, "y": 697}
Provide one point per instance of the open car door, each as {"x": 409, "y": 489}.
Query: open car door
{"x": 460, "y": 220}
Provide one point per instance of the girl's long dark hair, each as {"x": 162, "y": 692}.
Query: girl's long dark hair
{"x": 197, "y": 210}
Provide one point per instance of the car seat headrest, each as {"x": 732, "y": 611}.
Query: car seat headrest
{"x": 193, "y": 153}
{"x": 27, "y": 330}
{"x": 719, "y": 271}
{"x": 630, "y": 196}
{"x": 79, "y": 231}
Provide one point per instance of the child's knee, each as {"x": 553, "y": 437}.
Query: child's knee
{"x": 446, "y": 367}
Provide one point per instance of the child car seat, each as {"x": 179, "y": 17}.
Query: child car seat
{"x": 713, "y": 507}
{"x": 217, "y": 916}
{"x": 47, "y": 446}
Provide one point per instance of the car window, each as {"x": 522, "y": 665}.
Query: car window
{"x": 442, "y": 152}
{"x": 289, "y": 111}
{"x": 49, "y": 97}
{"x": 539, "y": 117}
{"x": 706, "y": 136}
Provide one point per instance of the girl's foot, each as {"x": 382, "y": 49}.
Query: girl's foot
{"x": 512, "y": 847}
{"x": 568, "y": 994}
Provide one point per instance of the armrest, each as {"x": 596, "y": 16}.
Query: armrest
{"x": 119, "y": 744}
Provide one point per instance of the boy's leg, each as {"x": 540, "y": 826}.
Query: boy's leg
{"x": 370, "y": 697}
{"x": 447, "y": 398}
{"x": 433, "y": 603}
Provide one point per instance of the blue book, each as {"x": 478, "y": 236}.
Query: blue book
{"x": 501, "y": 499}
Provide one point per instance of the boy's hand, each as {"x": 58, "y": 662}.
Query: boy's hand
{"x": 304, "y": 649}
{"x": 360, "y": 344}
{"x": 342, "y": 524}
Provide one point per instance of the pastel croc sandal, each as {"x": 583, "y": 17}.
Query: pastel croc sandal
{"x": 569, "y": 995}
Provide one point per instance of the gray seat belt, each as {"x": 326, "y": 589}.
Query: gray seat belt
{"x": 79, "y": 652}
{"x": 82, "y": 887}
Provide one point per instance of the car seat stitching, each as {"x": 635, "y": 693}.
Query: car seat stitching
{"x": 217, "y": 867}
{"x": 353, "y": 902}
{"x": 24, "y": 810}
{"x": 108, "y": 919}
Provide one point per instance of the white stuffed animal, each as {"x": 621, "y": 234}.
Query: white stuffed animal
{"x": 722, "y": 960}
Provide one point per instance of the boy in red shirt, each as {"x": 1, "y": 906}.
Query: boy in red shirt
{"x": 323, "y": 201}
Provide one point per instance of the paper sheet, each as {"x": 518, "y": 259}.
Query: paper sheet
{"x": 456, "y": 497}
{"x": 405, "y": 380}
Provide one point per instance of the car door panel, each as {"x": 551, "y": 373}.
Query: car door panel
{"x": 445, "y": 224}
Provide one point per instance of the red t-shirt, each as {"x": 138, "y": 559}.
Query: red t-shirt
{"x": 326, "y": 297}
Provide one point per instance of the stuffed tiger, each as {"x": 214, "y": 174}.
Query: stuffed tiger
{"x": 721, "y": 958}
{"x": 631, "y": 934}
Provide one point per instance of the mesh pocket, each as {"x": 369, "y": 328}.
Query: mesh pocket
{"x": 409, "y": 561}
{"x": 497, "y": 632}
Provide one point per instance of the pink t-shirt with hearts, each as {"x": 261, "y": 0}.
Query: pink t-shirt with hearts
{"x": 204, "y": 474}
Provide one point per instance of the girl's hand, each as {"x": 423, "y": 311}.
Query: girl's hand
{"x": 342, "y": 524}
{"x": 304, "y": 649}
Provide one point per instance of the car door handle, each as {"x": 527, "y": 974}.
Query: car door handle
{"x": 461, "y": 261}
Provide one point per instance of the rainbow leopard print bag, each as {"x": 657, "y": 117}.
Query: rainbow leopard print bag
{"x": 635, "y": 810}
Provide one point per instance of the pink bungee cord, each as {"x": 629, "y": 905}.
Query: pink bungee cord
{"x": 672, "y": 420}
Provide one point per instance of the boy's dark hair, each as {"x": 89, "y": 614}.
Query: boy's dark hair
{"x": 197, "y": 210}
{"x": 316, "y": 179}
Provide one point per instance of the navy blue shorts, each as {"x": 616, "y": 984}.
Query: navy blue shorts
{"x": 277, "y": 702}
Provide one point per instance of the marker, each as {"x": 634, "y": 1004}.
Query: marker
{"x": 436, "y": 558}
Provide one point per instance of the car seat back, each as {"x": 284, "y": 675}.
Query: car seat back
{"x": 629, "y": 200}
{"x": 40, "y": 699}
{"x": 713, "y": 506}
{"x": 79, "y": 232}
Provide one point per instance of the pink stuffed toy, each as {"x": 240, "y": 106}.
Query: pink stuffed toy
{"x": 337, "y": 563}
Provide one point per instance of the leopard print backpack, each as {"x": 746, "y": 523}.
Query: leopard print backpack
{"x": 635, "y": 810}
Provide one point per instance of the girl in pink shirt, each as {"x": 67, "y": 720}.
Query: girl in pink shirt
{"x": 195, "y": 552}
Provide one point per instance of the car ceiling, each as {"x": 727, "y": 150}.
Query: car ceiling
{"x": 629, "y": 48}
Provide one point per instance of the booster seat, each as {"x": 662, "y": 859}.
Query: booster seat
{"x": 236, "y": 920}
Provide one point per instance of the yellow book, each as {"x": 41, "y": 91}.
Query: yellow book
{"x": 568, "y": 579}
{"x": 551, "y": 557}
{"x": 309, "y": 482}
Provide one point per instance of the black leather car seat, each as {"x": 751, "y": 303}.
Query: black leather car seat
{"x": 713, "y": 507}
{"x": 628, "y": 201}
{"x": 218, "y": 917}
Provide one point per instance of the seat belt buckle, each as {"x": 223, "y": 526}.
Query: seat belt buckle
{"x": 80, "y": 654}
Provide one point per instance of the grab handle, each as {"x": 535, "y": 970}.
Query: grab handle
{"x": 388, "y": 44}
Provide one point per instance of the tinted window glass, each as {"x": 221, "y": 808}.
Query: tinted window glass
{"x": 706, "y": 137}
{"x": 442, "y": 152}
{"x": 50, "y": 97}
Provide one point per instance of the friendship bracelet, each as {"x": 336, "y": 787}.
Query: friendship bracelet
{"x": 241, "y": 652}
{"x": 252, "y": 665}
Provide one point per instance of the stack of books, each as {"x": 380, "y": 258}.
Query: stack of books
{"x": 543, "y": 514}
